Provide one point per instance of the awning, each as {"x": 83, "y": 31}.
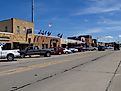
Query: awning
{"x": 24, "y": 43}
{"x": 4, "y": 39}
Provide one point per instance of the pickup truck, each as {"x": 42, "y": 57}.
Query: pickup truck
{"x": 9, "y": 54}
{"x": 34, "y": 50}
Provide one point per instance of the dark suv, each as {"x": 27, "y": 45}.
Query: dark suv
{"x": 101, "y": 48}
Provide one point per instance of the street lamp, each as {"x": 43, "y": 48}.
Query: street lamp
{"x": 33, "y": 11}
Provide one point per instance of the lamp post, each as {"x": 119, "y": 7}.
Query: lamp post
{"x": 32, "y": 11}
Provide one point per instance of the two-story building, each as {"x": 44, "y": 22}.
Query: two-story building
{"x": 16, "y": 33}
{"x": 84, "y": 38}
{"x": 46, "y": 41}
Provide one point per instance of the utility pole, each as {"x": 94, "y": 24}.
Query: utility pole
{"x": 32, "y": 11}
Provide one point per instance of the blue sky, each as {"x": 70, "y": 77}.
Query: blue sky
{"x": 100, "y": 18}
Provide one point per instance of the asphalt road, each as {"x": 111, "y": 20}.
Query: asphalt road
{"x": 85, "y": 71}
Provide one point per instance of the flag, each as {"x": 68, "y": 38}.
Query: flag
{"x": 42, "y": 32}
{"x": 58, "y": 34}
{"x": 49, "y": 33}
{"x": 61, "y": 35}
{"x": 45, "y": 33}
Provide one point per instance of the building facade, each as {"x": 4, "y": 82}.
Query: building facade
{"x": 46, "y": 41}
{"x": 16, "y": 33}
{"x": 87, "y": 39}
{"x": 71, "y": 43}
{"x": 94, "y": 42}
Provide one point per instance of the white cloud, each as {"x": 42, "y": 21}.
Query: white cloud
{"x": 109, "y": 22}
{"x": 119, "y": 36}
{"x": 86, "y": 31}
{"x": 108, "y": 37}
{"x": 113, "y": 28}
{"x": 93, "y": 30}
{"x": 96, "y": 10}
{"x": 100, "y": 6}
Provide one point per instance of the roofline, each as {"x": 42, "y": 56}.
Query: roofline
{"x": 81, "y": 35}
{"x": 16, "y": 19}
{"x": 5, "y": 20}
{"x": 22, "y": 20}
{"x": 46, "y": 36}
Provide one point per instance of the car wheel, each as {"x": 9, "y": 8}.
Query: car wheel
{"x": 30, "y": 56}
{"x": 66, "y": 52}
{"x": 10, "y": 57}
{"x": 22, "y": 55}
{"x": 48, "y": 54}
{"x": 59, "y": 53}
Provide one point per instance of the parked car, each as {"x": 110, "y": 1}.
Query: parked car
{"x": 95, "y": 48}
{"x": 89, "y": 48}
{"x": 57, "y": 50}
{"x": 80, "y": 49}
{"x": 109, "y": 47}
{"x": 34, "y": 50}
{"x": 67, "y": 51}
{"x": 101, "y": 48}
{"x": 9, "y": 54}
{"x": 86, "y": 49}
{"x": 73, "y": 50}
{"x": 52, "y": 50}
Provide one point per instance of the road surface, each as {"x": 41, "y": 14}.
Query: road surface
{"x": 85, "y": 71}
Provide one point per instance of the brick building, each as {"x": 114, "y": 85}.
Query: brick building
{"x": 71, "y": 43}
{"x": 16, "y": 33}
{"x": 84, "y": 38}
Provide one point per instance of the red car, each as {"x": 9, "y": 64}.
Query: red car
{"x": 57, "y": 50}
